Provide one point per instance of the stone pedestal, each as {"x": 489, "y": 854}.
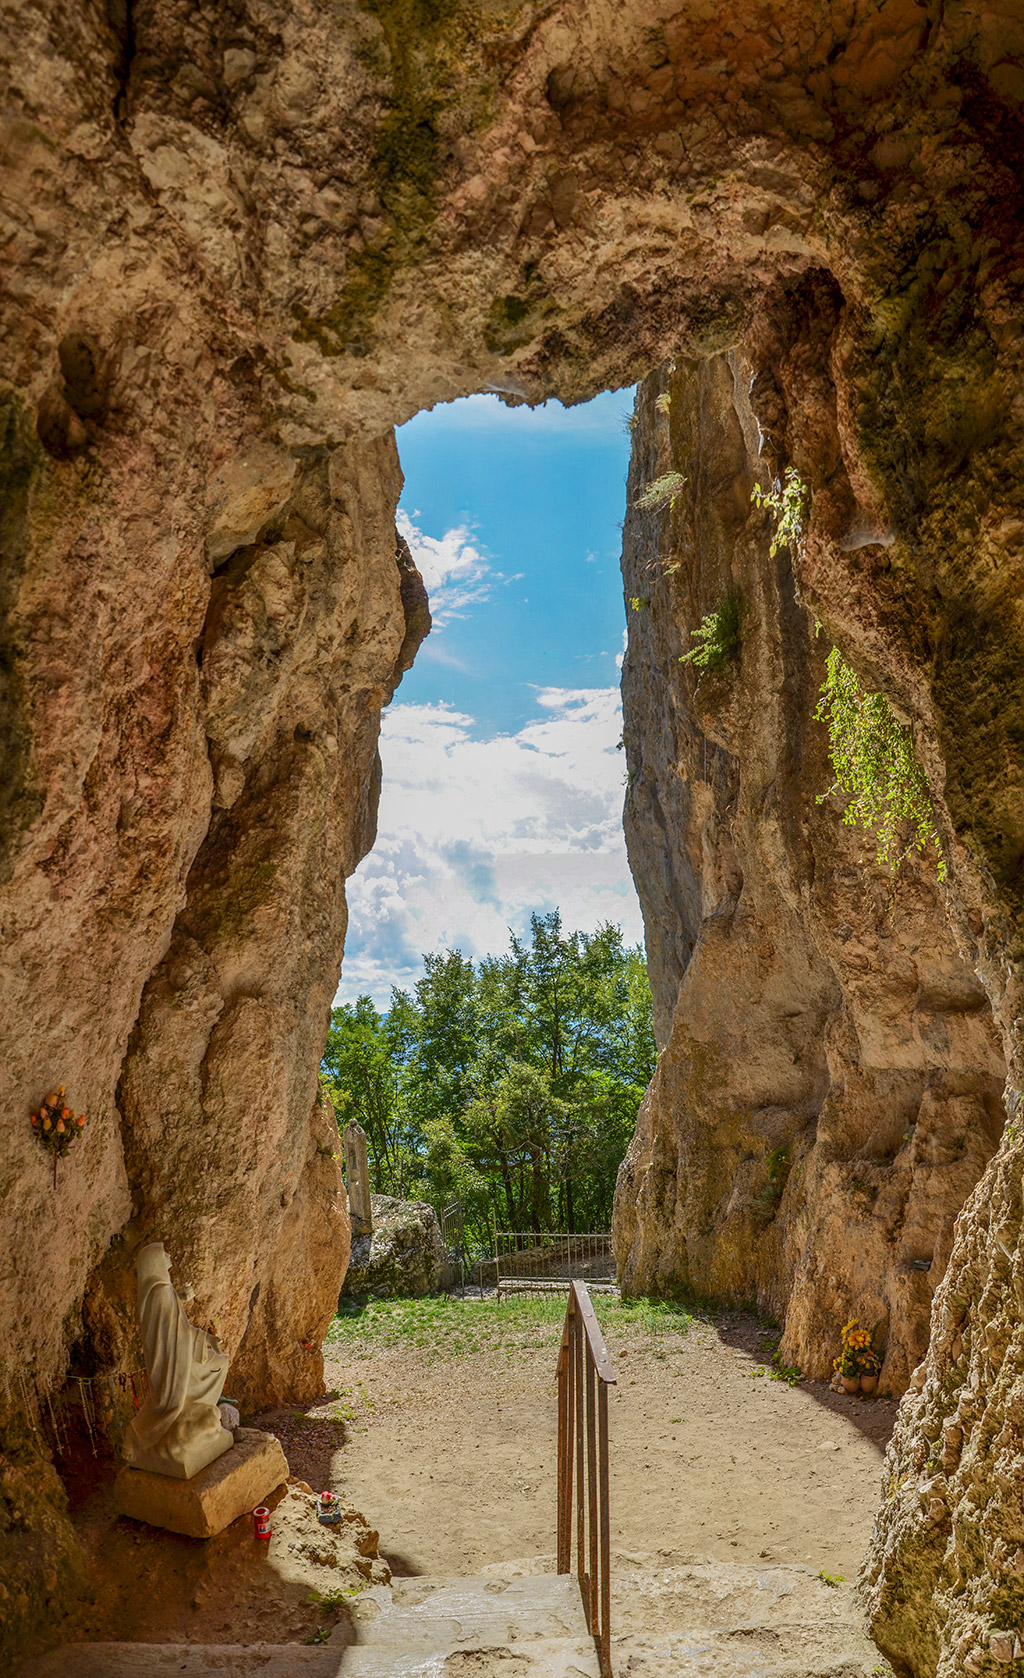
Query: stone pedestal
{"x": 203, "y": 1506}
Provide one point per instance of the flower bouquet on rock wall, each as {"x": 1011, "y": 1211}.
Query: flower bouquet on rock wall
{"x": 57, "y": 1126}
{"x": 857, "y": 1364}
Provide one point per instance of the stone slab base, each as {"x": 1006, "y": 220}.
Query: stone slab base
{"x": 185, "y": 1660}
{"x": 203, "y": 1506}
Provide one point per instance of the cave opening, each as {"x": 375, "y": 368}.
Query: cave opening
{"x": 494, "y": 949}
{"x": 502, "y": 766}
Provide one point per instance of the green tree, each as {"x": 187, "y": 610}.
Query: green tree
{"x": 512, "y": 1085}
{"x": 365, "y": 1070}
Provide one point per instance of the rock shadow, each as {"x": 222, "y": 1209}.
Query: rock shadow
{"x": 873, "y": 1417}
{"x": 308, "y": 1438}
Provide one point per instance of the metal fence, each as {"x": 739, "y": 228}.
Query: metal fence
{"x": 532, "y": 1261}
{"x": 452, "y": 1220}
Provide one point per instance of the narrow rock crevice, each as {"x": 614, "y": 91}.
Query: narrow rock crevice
{"x": 121, "y": 18}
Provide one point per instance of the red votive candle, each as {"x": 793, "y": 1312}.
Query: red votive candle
{"x": 261, "y": 1522}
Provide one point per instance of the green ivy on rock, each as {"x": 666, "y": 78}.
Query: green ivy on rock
{"x": 873, "y": 758}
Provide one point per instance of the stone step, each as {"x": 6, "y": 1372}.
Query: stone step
{"x": 675, "y": 1618}
{"x": 441, "y": 1613}
{"x": 802, "y": 1649}
{"x": 540, "y": 1658}
{"x": 658, "y": 1588}
{"x": 703, "y": 1595}
{"x": 414, "y": 1628}
{"x": 670, "y": 1619}
{"x": 184, "y": 1660}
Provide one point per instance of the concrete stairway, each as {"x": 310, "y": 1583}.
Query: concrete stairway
{"x": 520, "y": 1627}
{"x": 670, "y": 1619}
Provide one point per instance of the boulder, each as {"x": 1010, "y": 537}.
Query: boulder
{"x": 405, "y": 1255}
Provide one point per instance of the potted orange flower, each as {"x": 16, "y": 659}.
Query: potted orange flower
{"x": 857, "y": 1363}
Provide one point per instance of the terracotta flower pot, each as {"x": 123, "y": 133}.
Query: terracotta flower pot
{"x": 868, "y": 1383}
{"x": 851, "y": 1383}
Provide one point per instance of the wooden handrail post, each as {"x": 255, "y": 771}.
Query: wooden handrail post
{"x": 564, "y": 1458}
{"x": 584, "y": 1375}
{"x": 581, "y": 1512}
{"x": 605, "y": 1608}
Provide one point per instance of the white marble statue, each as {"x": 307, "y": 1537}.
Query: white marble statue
{"x": 178, "y": 1430}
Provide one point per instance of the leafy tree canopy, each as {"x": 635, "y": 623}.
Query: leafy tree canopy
{"x": 511, "y": 1085}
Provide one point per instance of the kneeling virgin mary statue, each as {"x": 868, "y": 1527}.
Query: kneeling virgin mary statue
{"x": 178, "y": 1430}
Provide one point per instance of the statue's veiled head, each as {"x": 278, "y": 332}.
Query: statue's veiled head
{"x": 153, "y": 1264}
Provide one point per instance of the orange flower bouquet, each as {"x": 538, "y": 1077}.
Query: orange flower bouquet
{"x": 57, "y": 1126}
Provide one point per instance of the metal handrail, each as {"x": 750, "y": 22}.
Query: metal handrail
{"x": 584, "y": 1375}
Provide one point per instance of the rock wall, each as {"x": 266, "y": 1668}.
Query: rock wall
{"x": 240, "y": 242}
{"x": 829, "y": 1085}
{"x": 202, "y": 716}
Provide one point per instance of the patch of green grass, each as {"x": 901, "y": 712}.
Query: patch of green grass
{"x": 785, "y": 1371}
{"x": 446, "y": 1328}
{"x": 349, "y": 1403}
{"x": 338, "y": 1598}
{"x": 833, "y": 1579}
{"x": 770, "y": 1337}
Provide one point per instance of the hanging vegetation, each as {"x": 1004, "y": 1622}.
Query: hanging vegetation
{"x": 875, "y": 767}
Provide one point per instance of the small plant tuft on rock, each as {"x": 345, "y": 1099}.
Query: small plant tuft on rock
{"x": 717, "y": 636}
{"x": 788, "y": 500}
{"x": 661, "y": 492}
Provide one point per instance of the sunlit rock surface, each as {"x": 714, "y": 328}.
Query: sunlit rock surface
{"x": 830, "y": 1084}
{"x": 238, "y": 245}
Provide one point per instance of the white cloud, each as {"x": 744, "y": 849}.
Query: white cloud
{"x": 452, "y": 567}
{"x": 474, "y": 834}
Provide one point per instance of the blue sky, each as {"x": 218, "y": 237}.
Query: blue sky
{"x": 502, "y": 783}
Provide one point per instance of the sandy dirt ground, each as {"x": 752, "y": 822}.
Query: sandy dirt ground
{"x": 453, "y": 1461}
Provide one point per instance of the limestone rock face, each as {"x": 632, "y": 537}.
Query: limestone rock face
{"x": 239, "y": 244}
{"x": 198, "y": 638}
{"x": 404, "y": 1257}
{"x": 829, "y": 1085}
